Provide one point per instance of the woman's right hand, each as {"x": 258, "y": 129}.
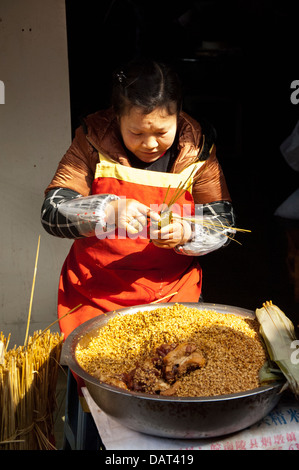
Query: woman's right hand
{"x": 129, "y": 214}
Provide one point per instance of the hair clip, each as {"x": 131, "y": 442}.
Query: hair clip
{"x": 121, "y": 76}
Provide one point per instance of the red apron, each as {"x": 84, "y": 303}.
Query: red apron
{"x": 111, "y": 273}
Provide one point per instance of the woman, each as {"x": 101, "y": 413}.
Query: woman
{"x": 108, "y": 191}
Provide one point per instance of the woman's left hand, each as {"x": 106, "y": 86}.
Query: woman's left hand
{"x": 177, "y": 232}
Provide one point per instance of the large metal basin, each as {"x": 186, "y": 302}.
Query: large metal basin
{"x": 173, "y": 417}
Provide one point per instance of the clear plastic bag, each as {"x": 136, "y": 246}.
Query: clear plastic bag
{"x": 290, "y": 148}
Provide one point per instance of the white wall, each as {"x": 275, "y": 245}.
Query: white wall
{"x": 35, "y": 132}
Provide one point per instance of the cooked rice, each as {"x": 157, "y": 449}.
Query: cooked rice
{"x": 230, "y": 343}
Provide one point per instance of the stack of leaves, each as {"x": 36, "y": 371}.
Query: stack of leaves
{"x": 279, "y": 335}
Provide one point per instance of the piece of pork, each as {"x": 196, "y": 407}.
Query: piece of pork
{"x": 181, "y": 359}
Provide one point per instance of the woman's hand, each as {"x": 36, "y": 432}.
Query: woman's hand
{"x": 129, "y": 214}
{"x": 177, "y": 232}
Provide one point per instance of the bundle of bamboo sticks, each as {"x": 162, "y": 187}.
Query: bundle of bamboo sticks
{"x": 28, "y": 378}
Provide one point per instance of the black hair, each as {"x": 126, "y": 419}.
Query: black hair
{"x": 147, "y": 85}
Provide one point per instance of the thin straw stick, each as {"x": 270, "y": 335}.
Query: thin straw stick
{"x": 53, "y": 323}
{"x": 181, "y": 190}
{"x": 206, "y": 223}
{"x": 32, "y": 292}
{"x": 163, "y": 298}
{"x": 166, "y": 194}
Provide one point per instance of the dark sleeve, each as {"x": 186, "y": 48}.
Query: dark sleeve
{"x": 223, "y": 214}
{"x": 222, "y": 210}
{"x": 52, "y": 220}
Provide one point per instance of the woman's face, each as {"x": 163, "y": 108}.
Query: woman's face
{"x": 148, "y": 136}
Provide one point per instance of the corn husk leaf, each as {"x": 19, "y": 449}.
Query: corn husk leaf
{"x": 268, "y": 375}
{"x": 278, "y": 333}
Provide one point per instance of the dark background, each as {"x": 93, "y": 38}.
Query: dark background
{"x": 242, "y": 87}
